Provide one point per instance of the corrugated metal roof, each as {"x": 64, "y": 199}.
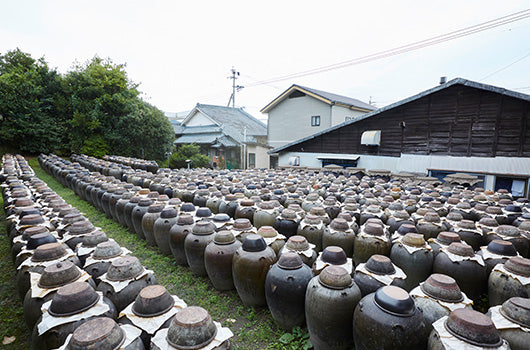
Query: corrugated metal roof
{"x": 457, "y": 81}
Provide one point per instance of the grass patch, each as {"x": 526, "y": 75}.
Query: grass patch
{"x": 11, "y": 313}
{"x": 253, "y": 328}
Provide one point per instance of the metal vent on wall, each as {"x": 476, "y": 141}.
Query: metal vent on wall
{"x": 371, "y": 138}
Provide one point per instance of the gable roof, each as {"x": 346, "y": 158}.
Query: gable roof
{"x": 457, "y": 81}
{"x": 326, "y": 97}
{"x": 233, "y": 122}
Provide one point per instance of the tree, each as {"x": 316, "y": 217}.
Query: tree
{"x": 29, "y": 118}
{"x": 188, "y": 152}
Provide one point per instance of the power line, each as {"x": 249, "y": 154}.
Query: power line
{"x": 517, "y": 16}
{"x": 507, "y": 66}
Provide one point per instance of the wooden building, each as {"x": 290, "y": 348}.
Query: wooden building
{"x": 459, "y": 126}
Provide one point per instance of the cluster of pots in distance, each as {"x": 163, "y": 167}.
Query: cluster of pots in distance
{"x": 82, "y": 290}
{"x": 354, "y": 257}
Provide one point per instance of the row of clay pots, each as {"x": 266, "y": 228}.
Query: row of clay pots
{"x": 74, "y": 274}
{"x": 252, "y": 242}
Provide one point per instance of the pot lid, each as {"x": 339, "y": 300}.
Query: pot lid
{"x": 517, "y": 310}
{"x": 335, "y": 277}
{"x": 224, "y": 237}
{"x": 73, "y": 298}
{"x": 48, "y": 252}
{"x": 447, "y": 237}
{"x": 473, "y": 327}
{"x": 221, "y": 217}
{"x": 502, "y": 247}
{"x": 334, "y": 255}
{"x": 254, "y": 243}
{"x": 373, "y": 229}
{"x": 155, "y": 208}
{"x": 454, "y": 216}
{"x": 518, "y": 265}
{"x": 380, "y": 265}
{"x": 153, "y": 301}
{"x": 185, "y": 219}
{"x": 203, "y": 212}
{"x": 191, "y": 328}
{"x": 442, "y": 287}
{"x": 125, "y": 268}
{"x": 407, "y": 228}
{"x": 168, "y": 213}
{"x": 39, "y": 239}
{"x": 297, "y": 243}
{"x": 106, "y": 250}
{"x": 203, "y": 228}
{"x": 414, "y": 239}
{"x": 58, "y": 274}
{"x": 339, "y": 224}
{"x": 290, "y": 261}
{"x": 395, "y": 301}
{"x": 267, "y": 232}
{"x": 508, "y": 230}
{"x": 101, "y": 333}
{"x": 92, "y": 239}
{"x": 461, "y": 249}
{"x": 242, "y": 224}
{"x": 33, "y": 230}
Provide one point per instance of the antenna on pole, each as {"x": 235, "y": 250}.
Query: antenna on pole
{"x": 234, "y": 76}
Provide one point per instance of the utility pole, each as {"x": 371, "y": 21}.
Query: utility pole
{"x": 235, "y": 75}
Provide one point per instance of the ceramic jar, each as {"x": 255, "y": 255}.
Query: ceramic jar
{"x": 430, "y": 225}
{"x": 412, "y": 254}
{"x": 370, "y": 240}
{"x": 388, "y": 319}
{"x": 332, "y": 256}
{"x": 101, "y": 258}
{"x": 265, "y": 215}
{"x": 245, "y": 210}
{"x": 127, "y": 212}
{"x": 287, "y": 223}
{"x": 168, "y": 218}
{"x": 330, "y": 302}
{"x": 443, "y": 240}
{"x": 195, "y": 243}
{"x": 469, "y": 233}
{"x": 138, "y": 213}
{"x": 511, "y": 279}
{"x": 497, "y": 252}
{"x": 229, "y": 205}
{"x": 339, "y": 233}
{"x": 148, "y": 222}
{"x": 272, "y": 238}
{"x": 460, "y": 262}
{"x": 249, "y": 268}
{"x": 177, "y": 236}
{"x": 285, "y": 290}
{"x": 377, "y": 272}
{"x": 512, "y": 319}
{"x": 218, "y": 257}
{"x": 312, "y": 228}
{"x": 300, "y": 245}
{"x": 120, "y": 207}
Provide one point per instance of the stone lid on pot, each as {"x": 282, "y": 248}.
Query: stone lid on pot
{"x": 266, "y": 205}
{"x": 73, "y": 298}
{"x": 106, "y": 250}
{"x": 155, "y": 208}
{"x": 267, "y": 232}
{"x": 446, "y": 237}
{"x": 380, "y": 265}
{"x": 508, "y": 230}
{"x": 33, "y": 230}
{"x": 413, "y": 239}
{"x": 254, "y": 243}
{"x": 339, "y": 224}
{"x": 335, "y": 277}
{"x": 288, "y": 214}
{"x": 242, "y": 224}
{"x": 81, "y": 227}
{"x": 518, "y": 265}
{"x": 203, "y": 212}
{"x": 168, "y": 213}
{"x": 153, "y": 301}
{"x": 39, "y": 239}
{"x": 185, "y": 219}
{"x": 431, "y": 216}
{"x": 481, "y": 207}
{"x": 334, "y": 255}
{"x": 373, "y": 229}
{"x": 488, "y": 222}
{"x": 191, "y": 328}
{"x": 203, "y": 227}
{"x": 290, "y": 261}
{"x": 473, "y": 327}
{"x": 224, "y": 237}
{"x": 317, "y": 211}
{"x": 466, "y": 224}
{"x": 502, "y": 247}
{"x": 442, "y": 287}
{"x": 461, "y": 249}
{"x": 247, "y": 202}
{"x": 187, "y": 207}
{"x": 145, "y": 202}
{"x": 494, "y": 210}
{"x": 101, "y": 333}
{"x": 48, "y": 252}
{"x": 58, "y": 274}
{"x": 93, "y": 238}
{"x": 31, "y": 219}
{"x": 312, "y": 219}
{"x": 407, "y": 228}
{"x": 297, "y": 243}
{"x": 517, "y": 309}
{"x": 221, "y": 218}
{"x": 395, "y": 301}
{"x": 125, "y": 268}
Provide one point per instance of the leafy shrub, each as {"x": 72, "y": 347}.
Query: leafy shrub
{"x": 191, "y": 152}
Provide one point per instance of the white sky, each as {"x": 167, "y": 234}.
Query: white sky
{"x": 181, "y": 52}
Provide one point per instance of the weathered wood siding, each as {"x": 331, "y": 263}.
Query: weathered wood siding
{"x": 457, "y": 121}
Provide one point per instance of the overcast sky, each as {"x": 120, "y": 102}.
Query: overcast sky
{"x": 181, "y": 52}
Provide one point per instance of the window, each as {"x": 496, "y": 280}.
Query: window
{"x": 348, "y": 118}
{"x": 251, "y": 160}
{"x": 315, "y": 120}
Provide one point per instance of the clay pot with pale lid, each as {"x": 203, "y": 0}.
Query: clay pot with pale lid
{"x": 69, "y": 300}
{"x": 43, "y": 254}
{"x": 90, "y": 240}
{"x": 229, "y": 205}
{"x": 516, "y": 310}
{"x": 439, "y": 289}
{"x": 506, "y": 283}
{"x": 430, "y": 226}
{"x": 126, "y": 269}
{"x": 471, "y": 327}
{"x": 339, "y": 233}
{"x": 218, "y": 257}
{"x": 36, "y": 236}
{"x": 330, "y": 301}
{"x": 177, "y": 237}
{"x": 443, "y": 240}
{"x": 152, "y": 301}
{"x": 312, "y": 228}
{"x": 470, "y": 273}
{"x": 388, "y": 319}
{"x": 269, "y": 233}
{"x": 53, "y": 276}
{"x": 379, "y": 265}
{"x": 249, "y": 269}
{"x": 497, "y": 252}
{"x": 168, "y": 218}
{"x": 78, "y": 230}
{"x": 285, "y": 290}
{"x": 299, "y": 245}
{"x": 103, "y": 253}
{"x": 469, "y": 233}
{"x": 414, "y": 257}
{"x": 287, "y": 223}
{"x": 148, "y": 222}
{"x": 331, "y": 256}
{"x": 195, "y": 243}
{"x": 265, "y": 215}
{"x": 192, "y": 328}
{"x": 512, "y": 234}
{"x": 321, "y": 213}
{"x": 370, "y": 240}
{"x": 102, "y": 333}
{"x": 245, "y": 210}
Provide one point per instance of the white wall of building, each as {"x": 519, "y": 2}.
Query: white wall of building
{"x": 262, "y": 157}
{"x": 339, "y": 114}
{"x": 199, "y": 119}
